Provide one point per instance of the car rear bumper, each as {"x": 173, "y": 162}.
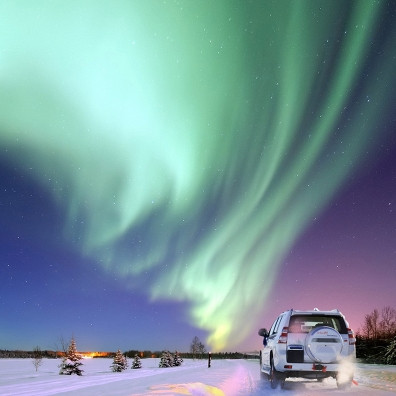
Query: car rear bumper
{"x": 308, "y": 370}
{"x": 308, "y": 374}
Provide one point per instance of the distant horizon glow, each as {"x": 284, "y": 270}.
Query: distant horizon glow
{"x": 189, "y": 148}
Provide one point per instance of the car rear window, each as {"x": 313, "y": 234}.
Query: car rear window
{"x": 305, "y": 323}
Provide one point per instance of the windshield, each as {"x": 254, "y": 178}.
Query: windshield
{"x": 305, "y": 323}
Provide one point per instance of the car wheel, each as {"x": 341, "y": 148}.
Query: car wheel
{"x": 273, "y": 376}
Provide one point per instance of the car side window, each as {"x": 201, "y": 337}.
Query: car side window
{"x": 275, "y": 326}
{"x": 271, "y": 332}
{"x": 278, "y": 324}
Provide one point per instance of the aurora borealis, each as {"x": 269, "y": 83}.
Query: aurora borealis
{"x": 185, "y": 147}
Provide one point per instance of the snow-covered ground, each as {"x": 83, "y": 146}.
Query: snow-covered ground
{"x": 224, "y": 377}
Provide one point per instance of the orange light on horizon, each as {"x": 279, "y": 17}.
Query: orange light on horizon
{"x": 90, "y": 355}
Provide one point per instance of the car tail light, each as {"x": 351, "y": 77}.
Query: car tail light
{"x": 283, "y": 336}
{"x": 351, "y": 337}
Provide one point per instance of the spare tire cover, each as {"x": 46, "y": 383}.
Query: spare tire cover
{"x": 323, "y": 344}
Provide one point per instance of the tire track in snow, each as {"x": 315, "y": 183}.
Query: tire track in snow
{"x": 240, "y": 382}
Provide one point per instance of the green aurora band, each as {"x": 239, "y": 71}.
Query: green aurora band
{"x": 191, "y": 143}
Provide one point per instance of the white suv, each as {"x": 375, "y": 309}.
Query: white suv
{"x": 308, "y": 344}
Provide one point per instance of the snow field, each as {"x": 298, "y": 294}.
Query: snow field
{"x": 224, "y": 377}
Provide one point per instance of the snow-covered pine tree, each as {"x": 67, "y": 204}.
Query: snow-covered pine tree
{"x": 166, "y": 359}
{"x": 71, "y": 362}
{"x": 120, "y": 362}
{"x": 177, "y": 360}
{"x": 137, "y": 364}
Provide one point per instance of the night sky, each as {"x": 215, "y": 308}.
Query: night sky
{"x": 177, "y": 168}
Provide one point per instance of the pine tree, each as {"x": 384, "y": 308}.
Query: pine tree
{"x": 177, "y": 360}
{"x": 166, "y": 359}
{"x": 120, "y": 362}
{"x": 390, "y": 354}
{"x": 71, "y": 362}
{"x": 137, "y": 364}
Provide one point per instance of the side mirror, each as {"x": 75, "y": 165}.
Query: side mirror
{"x": 263, "y": 333}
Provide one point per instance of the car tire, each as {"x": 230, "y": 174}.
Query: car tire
{"x": 273, "y": 376}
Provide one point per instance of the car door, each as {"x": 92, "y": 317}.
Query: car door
{"x": 271, "y": 342}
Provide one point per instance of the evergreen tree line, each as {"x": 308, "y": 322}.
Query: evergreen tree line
{"x": 143, "y": 354}
{"x": 190, "y": 355}
{"x": 218, "y": 355}
{"x": 376, "y": 341}
{"x": 47, "y": 354}
{"x": 6, "y": 354}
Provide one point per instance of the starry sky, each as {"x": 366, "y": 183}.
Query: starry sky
{"x": 176, "y": 168}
